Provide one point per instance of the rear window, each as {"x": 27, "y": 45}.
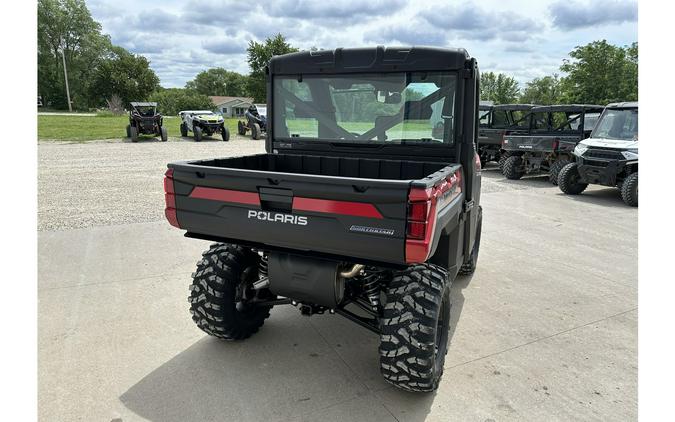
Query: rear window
{"x": 382, "y": 108}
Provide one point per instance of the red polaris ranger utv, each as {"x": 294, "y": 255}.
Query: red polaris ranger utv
{"x": 366, "y": 203}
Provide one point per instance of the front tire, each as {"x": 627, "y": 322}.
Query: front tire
{"x": 163, "y": 134}
{"x": 183, "y": 130}
{"x": 255, "y": 131}
{"x": 555, "y": 168}
{"x": 241, "y": 129}
{"x": 128, "y": 131}
{"x": 197, "y": 132}
{"x": 414, "y": 337}
{"x": 218, "y": 292}
{"x": 629, "y": 190}
{"x": 133, "y": 133}
{"x": 513, "y": 167}
{"x": 569, "y": 180}
{"x": 226, "y": 134}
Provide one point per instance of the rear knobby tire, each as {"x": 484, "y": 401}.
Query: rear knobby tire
{"x": 163, "y": 134}
{"x": 512, "y": 168}
{"x": 555, "y": 168}
{"x": 569, "y": 180}
{"x": 469, "y": 266}
{"x": 241, "y": 128}
{"x": 226, "y": 134}
{"x": 629, "y": 190}
{"x": 216, "y": 288}
{"x": 128, "y": 131}
{"x": 133, "y": 133}
{"x": 197, "y": 132}
{"x": 414, "y": 337}
{"x": 502, "y": 158}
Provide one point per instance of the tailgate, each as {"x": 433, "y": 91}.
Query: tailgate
{"x": 352, "y": 217}
{"x": 542, "y": 143}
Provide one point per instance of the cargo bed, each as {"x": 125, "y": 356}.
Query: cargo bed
{"x": 343, "y": 206}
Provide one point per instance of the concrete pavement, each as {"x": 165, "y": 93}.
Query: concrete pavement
{"x": 546, "y": 329}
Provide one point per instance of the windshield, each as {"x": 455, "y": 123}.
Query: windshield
{"x": 146, "y": 111}
{"x": 383, "y": 108}
{"x": 617, "y": 124}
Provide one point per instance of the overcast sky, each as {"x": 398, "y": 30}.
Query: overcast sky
{"x": 525, "y": 39}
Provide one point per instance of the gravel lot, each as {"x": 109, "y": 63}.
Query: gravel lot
{"x": 115, "y": 182}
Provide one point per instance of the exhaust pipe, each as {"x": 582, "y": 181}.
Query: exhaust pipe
{"x": 350, "y": 273}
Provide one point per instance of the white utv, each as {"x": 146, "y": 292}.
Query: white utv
{"x": 609, "y": 157}
{"x": 202, "y": 123}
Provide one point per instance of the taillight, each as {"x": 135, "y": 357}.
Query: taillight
{"x": 477, "y": 161}
{"x": 417, "y": 211}
{"x": 170, "y": 199}
{"x": 556, "y": 143}
{"x": 423, "y": 207}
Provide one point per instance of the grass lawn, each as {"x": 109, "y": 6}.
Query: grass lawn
{"x": 83, "y": 128}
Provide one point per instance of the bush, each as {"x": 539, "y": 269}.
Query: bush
{"x": 171, "y": 101}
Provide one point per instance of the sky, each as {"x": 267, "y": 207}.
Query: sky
{"x": 524, "y": 39}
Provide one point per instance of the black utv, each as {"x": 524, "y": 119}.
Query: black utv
{"x": 360, "y": 205}
{"x": 256, "y": 122}
{"x": 495, "y": 122}
{"x": 144, "y": 120}
{"x": 547, "y": 145}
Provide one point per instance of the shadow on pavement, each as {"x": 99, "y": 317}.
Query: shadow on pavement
{"x": 142, "y": 139}
{"x": 608, "y": 197}
{"x": 457, "y": 302}
{"x": 284, "y": 371}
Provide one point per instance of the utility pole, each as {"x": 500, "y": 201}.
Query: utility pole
{"x": 65, "y": 75}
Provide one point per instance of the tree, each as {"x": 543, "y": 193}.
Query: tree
{"x": 123, "y": 74}
{"x": 498, "y": 87}
{"x": 172, "y": 100}
{"x": 218, "y": 81}
{"x": 66, "y": 27}
{"x": 601, "y": 73}
{"x": 546, "y": 90}
{"x": 259, "y": 54}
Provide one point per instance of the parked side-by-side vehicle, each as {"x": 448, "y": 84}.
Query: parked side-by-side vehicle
{"x": 365, "y": 204}
{"x": 202, "y": 123}
{"x": 255, "y": 120}
{"x": 145, "y": 120}
{"x": 609, "y": 157}
{"x": 496, "y": 121}
{"x": 553, "y": 132}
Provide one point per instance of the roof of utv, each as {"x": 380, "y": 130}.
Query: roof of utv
{"x": 371, "y": 59}
{"x": 515, "y": 106}
{"x": 134, "y": 104}
{"x": 568, "y": 107}
{"x": 626, "y": 104}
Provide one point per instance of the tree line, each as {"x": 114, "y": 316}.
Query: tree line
{"x": 595, "y": 73}
{"x": 99, "y": 71}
